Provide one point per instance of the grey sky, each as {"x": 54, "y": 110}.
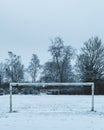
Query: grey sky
{"x": 26, "y": 26}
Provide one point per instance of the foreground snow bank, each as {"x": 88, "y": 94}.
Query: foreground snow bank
{"x": 51, "y": 113}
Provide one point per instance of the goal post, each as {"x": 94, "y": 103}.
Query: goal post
{"x": 91, "y": 84}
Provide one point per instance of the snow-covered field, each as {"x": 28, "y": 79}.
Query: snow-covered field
{"x": 44, "y": 112}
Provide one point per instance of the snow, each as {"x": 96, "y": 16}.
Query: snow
{"x": 47, "y": 112}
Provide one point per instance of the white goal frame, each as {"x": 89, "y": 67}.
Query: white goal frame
{"x": 91, "y": 84}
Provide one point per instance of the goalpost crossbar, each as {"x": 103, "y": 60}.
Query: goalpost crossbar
{"x": 91, "y": 84}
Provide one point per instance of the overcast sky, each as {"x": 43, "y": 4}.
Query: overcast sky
{"x": 26, "y": 26}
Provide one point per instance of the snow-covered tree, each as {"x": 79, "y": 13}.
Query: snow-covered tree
{"x": 59, "y": 69}
{"x": 90, "y": 62}
{"x": 34, "y": 67}
{"x": 49, "y": 73}
{"x": 14, "y": 68}
{"x": 2, "y": 72}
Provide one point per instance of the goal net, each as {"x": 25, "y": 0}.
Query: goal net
{"x": 91, "y": 84}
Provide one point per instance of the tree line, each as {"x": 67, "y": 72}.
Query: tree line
{"x": 88, "y": 65}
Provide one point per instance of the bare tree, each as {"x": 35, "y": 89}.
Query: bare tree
{"x": 14, "y": 68}
{"x": 91, "y": 60}
{"x": 34, "y": 67}
{"x": 49, "y": 73}
{"x": 61, "y": 56}
{"x": 2, "y": 73}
